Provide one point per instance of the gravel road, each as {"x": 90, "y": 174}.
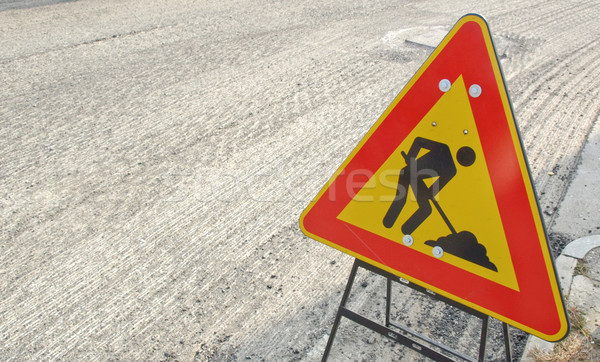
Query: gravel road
{"x": 155, "y": 158}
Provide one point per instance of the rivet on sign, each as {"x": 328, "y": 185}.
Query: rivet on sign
{"x": 466, "y": 131}
{"x": 438, "y": 252}
{"x": 407, "y": 240}
{"x": 445, "y": 85}
{"x": 475, "y": 90}
{"x": 434, "y": 124}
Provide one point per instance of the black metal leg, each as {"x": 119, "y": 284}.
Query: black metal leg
{"x": 388, "y": 302}
{"x": 338, "y": 316}
{"x": 484, "y": 332}
{"x": 507, "y": 347}
{"x": 405, "y": 338}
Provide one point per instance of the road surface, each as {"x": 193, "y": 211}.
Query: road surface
{"x": 155, "y": 158}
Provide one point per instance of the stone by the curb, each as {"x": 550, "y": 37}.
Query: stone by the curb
{"x": 585, "y": 297}
{"x": 580, "y": 247}
{"x": 565, "y": 267}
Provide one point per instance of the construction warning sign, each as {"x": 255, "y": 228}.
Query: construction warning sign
{"x": 439, "y": 192}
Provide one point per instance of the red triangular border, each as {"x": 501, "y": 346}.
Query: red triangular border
{"x": 537, "y": 307}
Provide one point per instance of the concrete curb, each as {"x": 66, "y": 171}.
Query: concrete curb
{"x": 565, "y": 268}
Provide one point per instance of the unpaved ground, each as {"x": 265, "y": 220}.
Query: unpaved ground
{"x": 156, "y": 157}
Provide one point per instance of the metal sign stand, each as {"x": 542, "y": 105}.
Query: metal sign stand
{"x": 421, "y": 344}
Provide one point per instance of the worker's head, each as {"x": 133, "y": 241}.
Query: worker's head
{"x": 465, "y": 156}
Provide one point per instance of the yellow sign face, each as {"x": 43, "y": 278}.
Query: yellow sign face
{"x": 465, "y": 199}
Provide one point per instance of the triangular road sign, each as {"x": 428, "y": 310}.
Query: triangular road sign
{"x": 439, "y": 192}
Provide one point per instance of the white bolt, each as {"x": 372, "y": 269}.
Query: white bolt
{"x": 438, "y": 252}
{"x": 466, "y": 131}
{"x": 475, "y": 90}
{"x": 407, "y": 240}
{"x": 434, "y": 124}
{"x": 445, "y": 85}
